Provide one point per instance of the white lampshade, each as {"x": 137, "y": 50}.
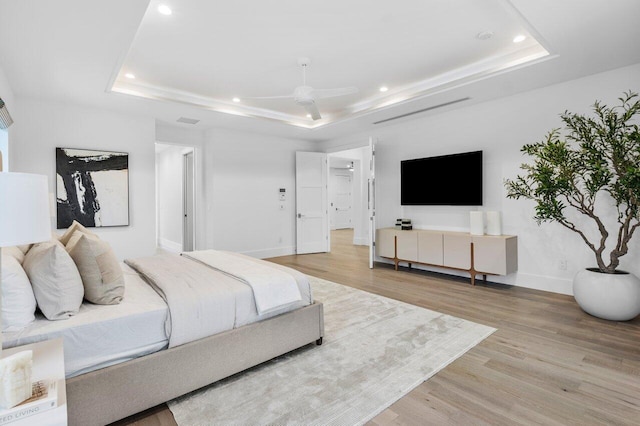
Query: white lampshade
{"x": 24, "y": 209}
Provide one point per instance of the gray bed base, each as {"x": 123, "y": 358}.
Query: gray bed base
{"x": 113, "y": 393}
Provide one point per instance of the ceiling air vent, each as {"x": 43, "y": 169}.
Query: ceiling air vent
{"x": 422, "y": 110}
{"x": 188, "y": 120}
{"x": 5, "y": 117}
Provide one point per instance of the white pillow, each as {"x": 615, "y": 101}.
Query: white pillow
{"x": 75, "y": 226}
{"x": 55, "y": 279}
{"x": 99, "y": 268}
{"x": 18, "y": 302}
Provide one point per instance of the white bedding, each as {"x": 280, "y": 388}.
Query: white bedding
{"x": 273, "y": 288}
{"x": 103, "y": 335}
{"x": 204, "y": 301}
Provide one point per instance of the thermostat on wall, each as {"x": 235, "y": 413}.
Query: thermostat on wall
{"x": 283, "y": 193}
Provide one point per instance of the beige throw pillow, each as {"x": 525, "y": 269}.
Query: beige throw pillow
{"x": 75, "y": 226}
{"x": 55, "y": 279}
{"x": 99, "y": 268}
{"x": 14, "y": 252}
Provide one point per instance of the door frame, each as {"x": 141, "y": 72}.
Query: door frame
{"x": 369, "y": 188}
{"x": 196, "y": 188}
{"x": 185, "y": 178}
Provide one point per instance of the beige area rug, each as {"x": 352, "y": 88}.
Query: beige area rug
{"x": 375, "y": 351}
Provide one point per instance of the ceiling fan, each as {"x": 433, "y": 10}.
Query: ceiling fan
{"x": 306, "y": 96}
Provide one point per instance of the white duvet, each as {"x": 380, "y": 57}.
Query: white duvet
{"x": 273, "y": 288}
{"x": 204, "y": 301}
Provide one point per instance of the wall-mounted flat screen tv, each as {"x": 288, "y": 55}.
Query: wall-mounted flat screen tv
{"x": 447, "y": 180}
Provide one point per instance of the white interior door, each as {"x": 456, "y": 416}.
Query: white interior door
{"x": 341, "y": 199}
{"x": 371, "y": 205}
{"x": 312, "y": 213}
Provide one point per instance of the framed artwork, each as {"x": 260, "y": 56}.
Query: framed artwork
{"x": 92, "y": 187}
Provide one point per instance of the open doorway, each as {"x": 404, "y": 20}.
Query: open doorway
{"x": 348, "y": 213}
{"x": 341, "y": 193}
{"x": 175, "y": 200}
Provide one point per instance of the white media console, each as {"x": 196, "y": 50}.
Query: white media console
{"x": 476, "y": 254}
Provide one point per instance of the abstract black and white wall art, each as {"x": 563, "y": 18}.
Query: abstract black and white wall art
{"x": 92, "y": 187}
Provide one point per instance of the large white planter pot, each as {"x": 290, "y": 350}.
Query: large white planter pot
{"x": 614, "y": 297}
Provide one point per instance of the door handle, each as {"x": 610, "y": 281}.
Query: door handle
{"x": 300, "y": 215}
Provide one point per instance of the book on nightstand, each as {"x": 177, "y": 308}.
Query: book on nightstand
{"x": 44, "y": 397}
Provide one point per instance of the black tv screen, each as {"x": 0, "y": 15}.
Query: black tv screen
{"x": 447, "y": 180}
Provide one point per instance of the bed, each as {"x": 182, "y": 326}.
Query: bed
{"x": 125, "y": 358}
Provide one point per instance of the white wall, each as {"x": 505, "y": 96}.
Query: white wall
{"x": 4, "y": 149}
{"x": 169, "y": 181}
{"x": 244, "y": 173}
{"x": 42, "y": 126}
{"x": 6, "y": 93}
{"x": 499, "y": 128}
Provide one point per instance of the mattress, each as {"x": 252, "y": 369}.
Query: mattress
{"x": 103, "y": 335}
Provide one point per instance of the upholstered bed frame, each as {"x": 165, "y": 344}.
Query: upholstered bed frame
{"x": 110, "y": 394}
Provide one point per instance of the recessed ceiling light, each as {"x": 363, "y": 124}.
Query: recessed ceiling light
{"x": 519, "y": 38}
{"x": 164, "y": 9}
{"x": 308, "y": 115}
{"x": 129, "y": 75}
{"x": 236, "y": 99}
{"x": 384, "y": 88}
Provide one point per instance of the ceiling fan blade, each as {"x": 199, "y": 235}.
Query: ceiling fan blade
{"x": 330, "y": 93}
{"x": 313, "y": 110}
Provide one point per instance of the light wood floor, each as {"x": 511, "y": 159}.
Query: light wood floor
{"x": 549, "y": 363}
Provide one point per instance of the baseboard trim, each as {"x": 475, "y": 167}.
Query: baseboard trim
{"x": 169, "y": 245}
{"x": 271, "y": 252}
{"x": 518, "y": 279}
{"x": 360, "y": 241}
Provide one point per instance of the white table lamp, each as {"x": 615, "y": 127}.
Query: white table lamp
{"x": 24, "y": 213}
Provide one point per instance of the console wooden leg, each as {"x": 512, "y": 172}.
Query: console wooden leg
{"x": 484, "y": 277}
{"x": 396, "y": 263}
{"x": 473, "y": 278}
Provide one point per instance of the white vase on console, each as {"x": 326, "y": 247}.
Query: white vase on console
{"x": 494, "y": 223}
{"x": 476, "y": 223}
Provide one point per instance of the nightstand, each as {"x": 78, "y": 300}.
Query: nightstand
{"x": 48, "y": 363}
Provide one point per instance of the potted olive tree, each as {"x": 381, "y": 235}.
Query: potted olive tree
{"x": 587, "y": 179}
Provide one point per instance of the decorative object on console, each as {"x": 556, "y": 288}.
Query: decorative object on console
{"x": 92, "y": 187}
{"x": 476, "y": 223}
{"x": 398, "y": 223}
{"x": 494, "y": 223}
{"x": 24, "y": 211}
{"x": 598, "y": 156}
{"x": 406, "y": 225}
